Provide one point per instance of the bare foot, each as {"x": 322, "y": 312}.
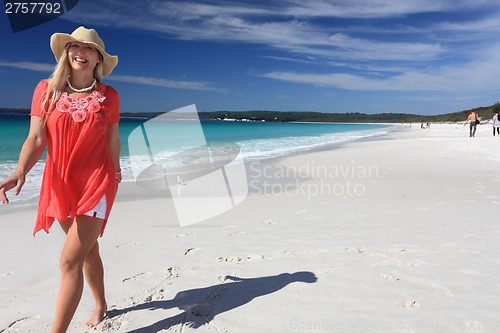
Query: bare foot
{"x": 96, "y": 317}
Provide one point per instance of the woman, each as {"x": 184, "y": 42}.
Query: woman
{"x": 474, "y": 120}
{"x": 76, "y": 117}
{"x": 496, "y": 124}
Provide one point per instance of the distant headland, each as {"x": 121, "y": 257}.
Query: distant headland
{"x": 309, "y": 116}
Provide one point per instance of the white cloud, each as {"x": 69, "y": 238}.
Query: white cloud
{"x": 417, "y": 54}
{"x": 273, "y": 25}
{"x": 313, "y": 8}
{"x": 159, "y": 82}
{"x": 33, "y": 66}
{"x": 488, "y": 24}
{"x": 478, "y": 75}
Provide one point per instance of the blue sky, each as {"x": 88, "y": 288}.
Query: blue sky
{"x": 371, "y": 56}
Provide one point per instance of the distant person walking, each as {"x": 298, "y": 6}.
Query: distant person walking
{"x": 496, "y": 124}
{"x": 474, "y": 120}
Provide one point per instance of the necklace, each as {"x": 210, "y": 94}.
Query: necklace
{"x": 83, "y": 89}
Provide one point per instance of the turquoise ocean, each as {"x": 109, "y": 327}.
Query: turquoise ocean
{"x": 256, "y": 141}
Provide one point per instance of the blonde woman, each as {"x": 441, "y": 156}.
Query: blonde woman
{"x": 76, "y": 117}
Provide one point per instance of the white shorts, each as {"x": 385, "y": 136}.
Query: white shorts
{"x": 99, "y": 210}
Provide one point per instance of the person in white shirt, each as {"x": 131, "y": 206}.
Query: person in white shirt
{"x": 496, "y": 123}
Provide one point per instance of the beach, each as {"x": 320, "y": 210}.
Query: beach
{"x": 396, "y": 233}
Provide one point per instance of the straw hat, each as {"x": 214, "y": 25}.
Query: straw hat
{"x": 89, "y": 36}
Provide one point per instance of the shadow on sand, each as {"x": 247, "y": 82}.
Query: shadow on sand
{"x": 201, "y": 305}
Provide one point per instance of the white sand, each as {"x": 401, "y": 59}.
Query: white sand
{"x": 406, "y": 243}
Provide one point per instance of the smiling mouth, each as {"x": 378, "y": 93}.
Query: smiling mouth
{"x": 80, "y": 60}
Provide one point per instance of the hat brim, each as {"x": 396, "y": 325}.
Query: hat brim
{"x": 58, "y": 42}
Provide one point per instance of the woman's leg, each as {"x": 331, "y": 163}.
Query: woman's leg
{"x": 81, "y": 236}
{"x": 94, "y": 274}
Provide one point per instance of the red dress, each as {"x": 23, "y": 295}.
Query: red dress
{"x": 79, "y": 169}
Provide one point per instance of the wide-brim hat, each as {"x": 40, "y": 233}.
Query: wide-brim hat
{"x": 58, "y": 42}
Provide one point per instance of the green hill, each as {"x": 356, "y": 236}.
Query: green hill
{"x": 356, "y": 117}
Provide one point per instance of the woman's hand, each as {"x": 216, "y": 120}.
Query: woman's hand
{"x": 32, "y": 149}
{"x": 119, "y": 176}
{"x": 15, "y": 181}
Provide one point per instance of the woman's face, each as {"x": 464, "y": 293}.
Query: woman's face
{"x": 83, "y": 57}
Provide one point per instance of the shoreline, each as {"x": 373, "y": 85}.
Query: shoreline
{"x": 129, "y": 178}
{"x": 407, "y": 251}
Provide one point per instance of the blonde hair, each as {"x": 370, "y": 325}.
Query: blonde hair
{"x": 59, "y": 77}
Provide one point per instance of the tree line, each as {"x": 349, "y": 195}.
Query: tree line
{"x": 310, "y": 116}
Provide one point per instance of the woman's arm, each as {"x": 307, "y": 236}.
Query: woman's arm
{"x": 31, "y": 151}
{"x": 114, "y": 148}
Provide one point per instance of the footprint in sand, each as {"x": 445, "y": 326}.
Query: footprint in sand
{"x": 128, "y": 244}
{"x": 136, "y": 277}
{"x": 173, "y": 272}
{"x": 222, "y": 278}
{"x": 271, "y": 221}
{"x": 408, "y": 304}
{"x": 201, "y": 310}
{"x": 189, "y": 234}
{"x": 413, "y": 264}
{"x": 232, "y": 259}
{"x": 389, "y": 277}
{"x": 355, "y": 249}
{"x": 109, "y": 324}
{"x": 192, "y": 250}
{"x": 237, "y": 233}
{"x": 255, "y": 257}
{"x": 22, "y": 321}
{"x": 395, "y": 250}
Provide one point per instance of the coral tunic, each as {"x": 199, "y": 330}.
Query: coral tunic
{"x": 79, "y": 169}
